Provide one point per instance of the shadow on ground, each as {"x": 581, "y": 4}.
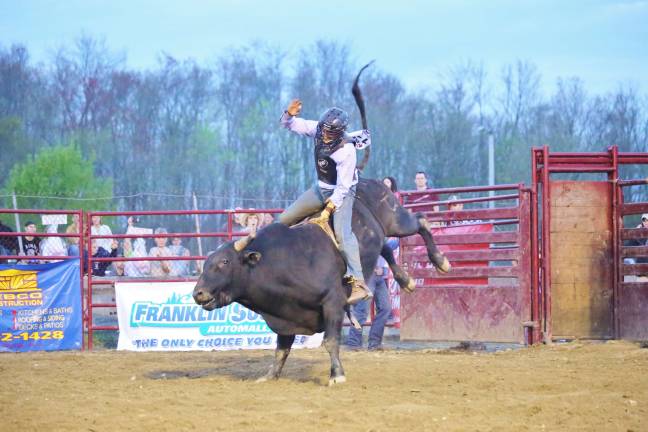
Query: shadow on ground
{"x": 247, "y": 369}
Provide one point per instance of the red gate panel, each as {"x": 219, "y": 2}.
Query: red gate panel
{"x": 486, "y": 296}
{"x": 632, "y": 298}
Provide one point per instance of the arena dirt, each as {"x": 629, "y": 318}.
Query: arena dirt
{"x": 574, "y": 386}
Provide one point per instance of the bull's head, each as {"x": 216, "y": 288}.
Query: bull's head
{"x": 219, "y": 283}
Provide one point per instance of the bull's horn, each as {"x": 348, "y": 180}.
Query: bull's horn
{"x": 240, "y": 244}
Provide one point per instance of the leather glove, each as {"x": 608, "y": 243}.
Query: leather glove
{"x": 294, "y": 107}
{"x": 330, "y": 207}
{"x": 325, "y": 215}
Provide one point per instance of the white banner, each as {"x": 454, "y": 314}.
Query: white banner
{"x": 163, "y": 316}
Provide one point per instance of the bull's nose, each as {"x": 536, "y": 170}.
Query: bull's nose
{"x": 199, "y": 295}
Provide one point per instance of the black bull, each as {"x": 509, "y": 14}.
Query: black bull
{"x": 293, "y": 277}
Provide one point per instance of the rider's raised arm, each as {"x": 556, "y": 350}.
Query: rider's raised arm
{"x": 290, "y": 121}
{"x": 345, "y": 159}
{"x": 298, "y": 125}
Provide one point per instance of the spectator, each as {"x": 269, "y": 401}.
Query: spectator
{"x": 30, "y": 244}
{"x": 98, "y": 229}
{"x": 134, "y": 248}
{"x": 390, "y": 182}
{"x": 267, "y": 219}
{"x": 250, "y": 222}
{"x": 134, "y": 268}
{"x": 8, "y": 244}
{"x": 179, "y": 268}
{"x": 421, "y": 182}
{"x": 160, "y": 268}
{"x": 378, "y": 285}
{"x": 73, "y": 242}
{"x": 641, "y": 242}
{"x": 239, "y": 217}
{"x": 53, "y": 246}
{"x": 99, "y": 267}
{"x": 458, "y": 206}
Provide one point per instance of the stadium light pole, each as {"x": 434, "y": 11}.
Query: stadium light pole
{"x": 491, "y": 166}
{"x": 491, "y": 160}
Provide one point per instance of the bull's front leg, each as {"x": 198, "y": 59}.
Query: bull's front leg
{"x": 333, "y": 315}
{"x": 284, "y": 343}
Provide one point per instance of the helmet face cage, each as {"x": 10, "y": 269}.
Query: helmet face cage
{"x": 332, "y": 125}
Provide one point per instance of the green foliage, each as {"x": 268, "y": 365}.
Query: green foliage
{"x": 11, "y": 143}
{"x": 60, "y": 172}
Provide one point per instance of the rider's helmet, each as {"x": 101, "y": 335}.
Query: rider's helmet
{"x": 332, "y": 125}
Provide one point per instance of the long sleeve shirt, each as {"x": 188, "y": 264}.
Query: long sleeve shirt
{"x": 344, "y": 157}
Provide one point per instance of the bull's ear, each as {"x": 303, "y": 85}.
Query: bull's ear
{"x": 251, "y": 257}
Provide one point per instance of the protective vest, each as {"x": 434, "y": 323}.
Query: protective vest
{"x": 325, "y": 165}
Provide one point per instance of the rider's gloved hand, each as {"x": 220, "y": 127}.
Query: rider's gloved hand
{"x": 325, "y": 215}
{"x": 294, "y": 107}
{"x": 330, "y": 207}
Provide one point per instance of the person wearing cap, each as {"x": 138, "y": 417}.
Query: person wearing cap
{"x": 160, "y": 268}
{"x": 642, "y": 242}
{"x": 337, "y": 176}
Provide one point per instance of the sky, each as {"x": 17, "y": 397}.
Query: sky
{"x": 603, "y": 42}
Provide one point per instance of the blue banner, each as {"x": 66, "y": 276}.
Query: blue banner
{"x": 40, "y": 307}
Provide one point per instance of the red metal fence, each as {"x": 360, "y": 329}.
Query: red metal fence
{"x": 525, "y": 265}
{"x": 488, "y": 295}
{"x": 101, "y": 303}
{"x": 631, "y": 257}
{"x": 580, "y": 227}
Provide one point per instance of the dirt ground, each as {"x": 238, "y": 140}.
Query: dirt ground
{"x": 574, "y": 386}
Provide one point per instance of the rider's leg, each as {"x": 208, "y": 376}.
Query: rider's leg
{"x": 308, "y": 203}
{"x": 349, "y": 248}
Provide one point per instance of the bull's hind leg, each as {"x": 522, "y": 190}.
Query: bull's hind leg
{"x": 402, "y": 278}
{"x": 284, "y": 343}
{"x": 407, "y": 224}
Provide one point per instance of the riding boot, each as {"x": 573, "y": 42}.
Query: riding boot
{"x": 359, "y": 291}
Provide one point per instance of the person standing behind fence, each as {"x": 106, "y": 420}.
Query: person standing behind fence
{"x": 250, "y": 222}
{"x": 641, "y": 242}
{"x": 99, "y": 267}
{"x": 53, "y": 246}
{"x": 160, "y": 268}
{"x": 31, "y": 246}
{"x": 179, "y": 268}
{"x": 98, "y": 229}
{"x": 73, "y": 242}
{"x": 135, "y": 268}
{"x": 378, "y": 285}
{"x": 8, "y": 244}
{"x": 390, "y": 182}
{"x": 421, "y": 182}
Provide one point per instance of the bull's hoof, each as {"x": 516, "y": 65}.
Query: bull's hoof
{"x": 410, "y": 287}
{"x": 445, "y": 266}
{"x": 266, "y": 378}
{"x": 337, "y": 380}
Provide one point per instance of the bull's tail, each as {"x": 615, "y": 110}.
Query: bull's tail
{"x": 357, "y": 95}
